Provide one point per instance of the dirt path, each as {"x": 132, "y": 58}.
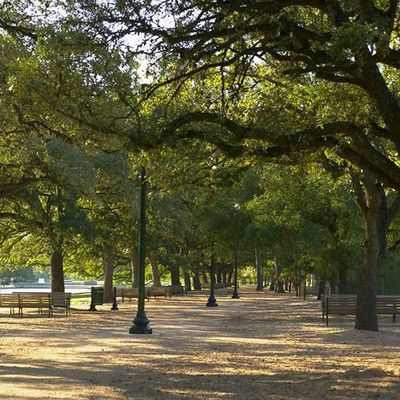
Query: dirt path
{"x": 263, "y": 346}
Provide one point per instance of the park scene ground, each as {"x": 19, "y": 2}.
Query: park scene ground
{"x": 262, "y": 346}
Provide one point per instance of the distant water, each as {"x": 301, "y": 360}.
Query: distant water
{"x": 70, "y": 288}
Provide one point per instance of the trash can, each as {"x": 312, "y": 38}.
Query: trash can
{"x": 97, "y": 298}
{"x": 98, "y": 295}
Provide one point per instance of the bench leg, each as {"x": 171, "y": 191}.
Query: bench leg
{"x": 394, "y": 318}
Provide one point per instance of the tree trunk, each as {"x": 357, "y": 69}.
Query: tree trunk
{"x": 108, "y": 271}
{"x": 212, "y": 276}
{"x": 196, "y": 280}
{"x": 175, "y": 278}
{"x": 57, "y": 271}
{"x": 272, "y": 283}
{"x": 154, "y": 269}
{"x": 279, "y": 283}
{"x": 371, "y": 200}
{"x": 230, "y": 274}
{"x": 135, "y": 267}
{"x": 224, "y": 273}
{"x": 259, "y": 271}
{"x": 219, "y": 272}
{"x": 321, "y": 288}
{"x": 188, "y": 285}
{"x": 366, "y": 291}
{"x": 342, "y": 279}
{"x": 204, "y": 275}
{"x": 286, "y": 284}
{"x": 296, "y": 289}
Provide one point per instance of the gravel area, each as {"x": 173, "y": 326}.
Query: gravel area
{"x": 263, "y": 346}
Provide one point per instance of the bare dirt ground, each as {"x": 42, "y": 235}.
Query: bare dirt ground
{"x": 263, "y": 346}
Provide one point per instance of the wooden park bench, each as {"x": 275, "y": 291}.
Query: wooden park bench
{"x": 130, "y": 293}
{"x": 10, "y": 301}
{"x": 44, "y": 301}
{"x": 346, "y": 304}
{"x": 61, "y": 300}
{"x": 177, "y": 290}
{"x": 41, "y": 302}
{"x": 159, "y": 291}
{"x": 224, "y": 285}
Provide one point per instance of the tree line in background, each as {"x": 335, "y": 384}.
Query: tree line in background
{"x": 264, "y": 127}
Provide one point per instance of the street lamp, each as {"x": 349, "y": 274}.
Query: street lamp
{"x": 212, "y": 301}
{"x": 235, "y": 294}
{"x": 141, "y": 323}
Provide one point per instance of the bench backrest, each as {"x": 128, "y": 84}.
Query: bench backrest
{"x": 28, "y": 300}
{"x": 126, "y": 292}
{"x": 343, "y": 303}
{"x": 176, "y": 289}
{"x": 158, "y": 290}
{"x": 58, "y": 299}
{"x": 9, "y": 300}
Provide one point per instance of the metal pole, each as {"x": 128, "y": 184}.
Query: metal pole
{"x": 92, "y": 299}
{"x": 212, "y": 301}
{"x": 115, "y": 304}
{"x": 141, "y": 323}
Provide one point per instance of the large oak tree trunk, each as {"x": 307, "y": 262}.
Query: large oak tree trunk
{"x": 57, "y": 271}
{"x": 154, "y": 270}
{"x": 259, "y": 270}
{"x": 108, "y": 270}
{"x": 321, "y": 287}
{"x": 175, "y": 278}
{"x": 219, "y": 268}
{"x": 230, "y": 274}
{"x": 272, "y": 283}
{"x": 279, "y": 283}
{"x": 224, "y": 273}
{"x": 196, "y": 280}
{"x": 188, "y": 285}
{"x": 372, "y": 201}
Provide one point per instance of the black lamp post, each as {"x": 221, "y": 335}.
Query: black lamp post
{"x": 235, "y": 294}
{"x": 141, "y": 323}
{"x": 212, "y": 301}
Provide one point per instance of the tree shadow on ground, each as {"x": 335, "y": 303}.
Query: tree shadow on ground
{"x": 273, "y": 348}
{"x": 143, "y": 381}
